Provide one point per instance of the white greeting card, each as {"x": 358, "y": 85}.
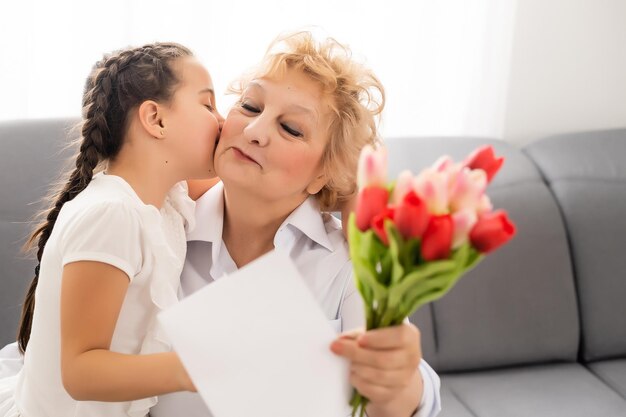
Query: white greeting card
{"x": 256, "y": 344}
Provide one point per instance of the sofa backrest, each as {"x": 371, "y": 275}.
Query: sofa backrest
{"x": 32, "y": 155}
{"x": 586, "y": 172}
{"x": 519, "y": 305}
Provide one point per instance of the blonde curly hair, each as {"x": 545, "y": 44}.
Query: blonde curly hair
{"x": 356, "y": 100}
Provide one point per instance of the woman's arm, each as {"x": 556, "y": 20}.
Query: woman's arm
{"x": 92, "y": 294}
{"x": 198, "y": 187}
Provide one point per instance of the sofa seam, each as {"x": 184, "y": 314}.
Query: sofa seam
{"x": 571, "y": 253}
{"x": 604, "y": 381}
{"x": 463, "y": 403}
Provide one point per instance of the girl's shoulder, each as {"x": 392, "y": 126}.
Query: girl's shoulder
{"x": 107, "y": 202}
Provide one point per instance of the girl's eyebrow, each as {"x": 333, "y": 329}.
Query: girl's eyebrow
{"x": 207, "y": 90}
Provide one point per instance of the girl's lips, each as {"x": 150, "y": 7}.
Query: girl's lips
{"x": 241, "y": 155}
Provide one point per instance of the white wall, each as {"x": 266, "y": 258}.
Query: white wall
{"x": 568, "y": 68}
{"x": 443, "y": 63}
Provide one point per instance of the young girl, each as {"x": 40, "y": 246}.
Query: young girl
{"x": 113, "y": 243}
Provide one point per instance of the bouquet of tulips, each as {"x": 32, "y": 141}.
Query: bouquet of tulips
{"x": 411, "y": 240}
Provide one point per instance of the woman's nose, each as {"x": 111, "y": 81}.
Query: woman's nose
{"x": 257, "y": 131}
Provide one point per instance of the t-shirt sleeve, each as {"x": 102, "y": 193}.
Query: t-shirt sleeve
{"x": 109, "y": 232}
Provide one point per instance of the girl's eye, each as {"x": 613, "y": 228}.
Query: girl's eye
{"x": 291, "y": 131}
{"x": 249, "y": 108}
{"x": 210, "y": 107}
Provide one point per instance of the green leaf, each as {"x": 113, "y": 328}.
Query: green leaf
{"x": 437, "y": 286}
{"x": 367, "y": 276}
{"x": 396, "y": 247}
{"x": 354, "y": 236}
{"x": 411, "y": 253}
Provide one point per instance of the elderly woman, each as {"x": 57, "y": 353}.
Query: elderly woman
{"x": 287, "y": 155}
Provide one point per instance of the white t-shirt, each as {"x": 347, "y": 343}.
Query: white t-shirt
{"x": 320, "y": 252}
{"x": 107, "y": 222}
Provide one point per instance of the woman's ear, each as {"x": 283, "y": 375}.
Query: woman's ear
{"x": 150, "y": 115}
{"x": 317, "y": 184}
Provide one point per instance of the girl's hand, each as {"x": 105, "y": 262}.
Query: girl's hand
{"x": 385, "y": 367}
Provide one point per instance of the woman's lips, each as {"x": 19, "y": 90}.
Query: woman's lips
{"x": 239, "y": 154}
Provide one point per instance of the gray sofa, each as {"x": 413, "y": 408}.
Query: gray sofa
{"x": 537, "y": 329}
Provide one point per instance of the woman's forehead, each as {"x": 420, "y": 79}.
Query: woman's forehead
{"x": 293, "y": 89}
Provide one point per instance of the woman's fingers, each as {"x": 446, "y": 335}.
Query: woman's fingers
{"x": 389, "y": 359}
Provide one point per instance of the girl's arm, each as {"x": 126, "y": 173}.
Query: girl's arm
{"x": 92, "y": 294}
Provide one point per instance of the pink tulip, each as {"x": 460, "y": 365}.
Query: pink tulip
{"x": 432, "y": 187}
{"x": 467, "y": 189}
{"x": 463, "y": 221}
{"x": 372, "y": 168}
{"x": 444, "y": 164}
{"x": 484, "y": 206}
{"x": 404, "y": 184}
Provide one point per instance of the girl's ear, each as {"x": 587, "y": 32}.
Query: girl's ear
{"x": 150, "y": 115}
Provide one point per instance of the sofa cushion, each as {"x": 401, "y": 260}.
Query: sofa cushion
{"x": 587, "y": 174}
{"x": 519, "y": 305}
{"x": 33, "y": 153}
{"x": 613, "y": 373}
{"x": 547, "y": 390}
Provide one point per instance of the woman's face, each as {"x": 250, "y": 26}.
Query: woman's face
{"x": 273, "y": 139}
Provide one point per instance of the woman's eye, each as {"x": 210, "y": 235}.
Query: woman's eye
{"x": 210, "y": 107}
{"x": 291, "y": 131}
{"x": 249, "y": 108}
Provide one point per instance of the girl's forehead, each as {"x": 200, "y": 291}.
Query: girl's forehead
{"x": 192, "y": 73}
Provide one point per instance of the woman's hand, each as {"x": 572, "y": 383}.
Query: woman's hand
{"x": 385, "y": 368}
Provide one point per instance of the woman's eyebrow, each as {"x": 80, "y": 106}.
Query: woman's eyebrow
{"x": 296, "y": 108}
{"x": 312, "y": 114}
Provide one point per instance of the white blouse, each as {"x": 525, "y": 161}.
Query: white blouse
{"x": 319, "y": 250}
{"x": 106, "y": 222}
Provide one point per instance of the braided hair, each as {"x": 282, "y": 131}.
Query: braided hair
{"x": 118, "y": 83}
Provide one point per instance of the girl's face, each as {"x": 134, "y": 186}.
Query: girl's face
{"x": 192, "y": 121}
{"x": 274, "y": 137}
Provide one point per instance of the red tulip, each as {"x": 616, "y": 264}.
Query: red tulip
{"x": 492, "y": 231}
{"x": 411, "y": 216}
{"x": 437, "y": 238}
{"x": 378, "y": 224}
{"x": 484, "y": 158}
{"x": 370, "y": 202}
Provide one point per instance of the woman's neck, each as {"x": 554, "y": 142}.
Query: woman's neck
{"x": 250, "y": 224}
